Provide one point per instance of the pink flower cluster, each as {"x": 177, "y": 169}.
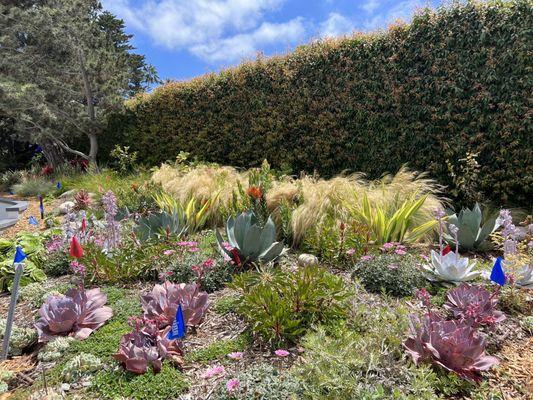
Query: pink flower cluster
{"x": 233, "y": 385}
{"x": 214, "y": 371}
{"x": 191, "y": 246}
{"x": 78, "y": 268}
{"x": 394, "y": 247}
{"x": 54, "y": 245}
{"x": 202, "y": 268}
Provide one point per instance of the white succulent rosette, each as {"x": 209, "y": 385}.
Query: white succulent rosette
{"x": 450, "y": 268}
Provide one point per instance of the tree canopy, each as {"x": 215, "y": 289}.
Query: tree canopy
{"x": 65, "y": 65}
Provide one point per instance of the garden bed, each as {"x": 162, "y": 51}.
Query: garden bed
{"x": 281, "y": 327}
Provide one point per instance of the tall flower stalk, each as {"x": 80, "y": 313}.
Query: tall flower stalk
{"x": 109, "y": 201}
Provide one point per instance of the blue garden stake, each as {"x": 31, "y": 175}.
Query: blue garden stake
{"x": 497, "y": 275}
{"x": 19, "y": 258}
{"x": 33, "y": 221}
{"x": 178, "y": 328}
{"x": 41, "y": 206}
{"x": 59, "y": 186}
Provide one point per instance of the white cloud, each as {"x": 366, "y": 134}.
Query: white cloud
{"x": 198, "y": 24}
{"x": 402, "y": 10}
{"x": 238, "y": 46}
{"x": 336, "y": 25}
{"x": 370, "y": 5}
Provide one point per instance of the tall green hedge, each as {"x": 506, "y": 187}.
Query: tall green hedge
{"x": 453, "y": 81}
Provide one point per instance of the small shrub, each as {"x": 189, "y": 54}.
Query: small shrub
{"x": 33, "y": 187}
{"x": 280, "y": 306}
{"x": 354, "y": 365}
{"x": 262, "y": 381}
{"x": 395, "y": 274}
{"x": 56, "y": 263}
{"x": 9, "y": 178}
{"x": 124, "y": 160}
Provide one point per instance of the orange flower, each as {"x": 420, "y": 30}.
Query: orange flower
{"x": 255, "y": 192}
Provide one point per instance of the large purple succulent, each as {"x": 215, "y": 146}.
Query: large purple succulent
{"x": 454, "y": 345}
{"x": 147, "y": 346}
{"x": 473, "y": 304}
{"x": 161, "y": 303}
{"x": 78, "y": 313}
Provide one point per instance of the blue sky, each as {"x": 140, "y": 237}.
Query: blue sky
{"x": 187, "y": 38}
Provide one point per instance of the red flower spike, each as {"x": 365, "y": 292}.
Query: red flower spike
{"x": 76, "y": 250}
{"x": 446, "y": 250}
{"x": 235, "y": 256}
{"x": 83, "y": 225}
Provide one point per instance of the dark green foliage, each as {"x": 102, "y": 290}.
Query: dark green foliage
{"x": 396, "y": 275}
{"x": 56, "y": 263}
{"x": 452, "y": 83}
{"x": 280, "y": 306}
{"x": 115, "y": 383}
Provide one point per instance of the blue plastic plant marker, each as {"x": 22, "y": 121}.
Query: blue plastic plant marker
{"x": 33, "y": 221}
{"x": 178, "y": 328}
{"x": 497, "y": 275}
{"x": 59, "y": 185}
{"x": 19, "y": 255}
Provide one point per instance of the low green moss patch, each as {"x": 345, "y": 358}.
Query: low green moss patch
{"x": 117, "y": 383}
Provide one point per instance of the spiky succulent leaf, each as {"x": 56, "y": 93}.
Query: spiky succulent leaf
{"x": 159, "y": 224}
{"x": 473, "y": 304}
{"x": 162, "y": 302}
{"x": 251, "y": 241}
{"x": 472, "y": 233}
{"x": 454, "y": 345}
{"x": 78, "y": 313}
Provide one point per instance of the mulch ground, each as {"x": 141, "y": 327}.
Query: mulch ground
{"x": 22, "y": 224}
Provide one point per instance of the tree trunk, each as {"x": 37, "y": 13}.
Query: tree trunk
{"x": 53, "y": 153}
{"x": 92, "y": 135}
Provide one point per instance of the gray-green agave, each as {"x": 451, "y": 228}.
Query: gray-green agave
{"x": 160, "y": 224}
{"x": 248, "y": 241}
{"x": 473, "y": 233}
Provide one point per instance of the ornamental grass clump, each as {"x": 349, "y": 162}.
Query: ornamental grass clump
{"x": 202, "y": 183}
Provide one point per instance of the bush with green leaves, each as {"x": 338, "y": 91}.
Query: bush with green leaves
{"x": 361, "y": 357}
{"x": 33, "y": 187}
{"x": 8, "y": 179}
{"x": 261, "y": 381}
{"x": 398, "y": 275}
{"x": 56, "y": 263}
{"x": 330, "y": 239}
{"x": 281, "y": 305}
{"x": 465, "y": 68}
